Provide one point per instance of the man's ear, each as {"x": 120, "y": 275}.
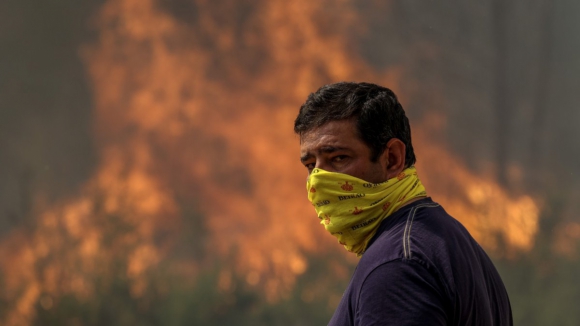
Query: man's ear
{"x": 395, "y": 157}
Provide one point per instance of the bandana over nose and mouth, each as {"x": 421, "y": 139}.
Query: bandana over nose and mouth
{"x": 351, "y": 209}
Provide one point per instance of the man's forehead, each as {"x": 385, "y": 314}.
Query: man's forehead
{"x": 318, "y": 136}
{"x": 335, "y": 134}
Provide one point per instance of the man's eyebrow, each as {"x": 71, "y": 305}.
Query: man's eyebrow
{"x": 329, "y": 149}
{"x": 321, "y": 150}
{"x": 305, "y": 157}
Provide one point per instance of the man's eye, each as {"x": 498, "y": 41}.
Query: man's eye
{"x": 339, "y": 158}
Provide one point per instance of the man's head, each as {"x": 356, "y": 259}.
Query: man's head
{"x": 366, "y": 118}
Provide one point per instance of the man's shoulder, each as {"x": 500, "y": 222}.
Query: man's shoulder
{"x": 395, "y": 238}
{"x": 420, "y": 249}
{"x": 422, "y": 232}
{"x": 413, "y": 227}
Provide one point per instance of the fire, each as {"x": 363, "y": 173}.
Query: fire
{"x": 203, "y": 111}
{"x": 483, "y": 207}
{"x": 70, "y": 245}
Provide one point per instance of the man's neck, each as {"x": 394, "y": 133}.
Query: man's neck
{"x": 412, "y": 201}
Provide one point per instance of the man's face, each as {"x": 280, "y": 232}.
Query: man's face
{"x": 336, "y": 147}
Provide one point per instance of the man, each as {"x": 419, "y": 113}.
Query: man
{"x": 418, "y": 266}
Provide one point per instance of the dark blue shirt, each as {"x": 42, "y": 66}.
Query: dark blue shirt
{"x": 424, "y": 268}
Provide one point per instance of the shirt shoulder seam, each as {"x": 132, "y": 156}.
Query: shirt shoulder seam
{"x": 408, "y": 227}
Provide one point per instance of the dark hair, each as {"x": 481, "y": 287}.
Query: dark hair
{"x": 377, "y": 113}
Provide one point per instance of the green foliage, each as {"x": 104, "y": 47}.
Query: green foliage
{"x": 172, "y": 296}
{"x": 174, "y": 301}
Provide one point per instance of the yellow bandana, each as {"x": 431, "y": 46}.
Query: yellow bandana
{"x": 351, "y": 209}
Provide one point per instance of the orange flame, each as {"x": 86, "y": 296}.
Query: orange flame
{"x": 199, "y": 110}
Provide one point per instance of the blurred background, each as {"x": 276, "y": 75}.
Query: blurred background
{"x": 149, "y": 174}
